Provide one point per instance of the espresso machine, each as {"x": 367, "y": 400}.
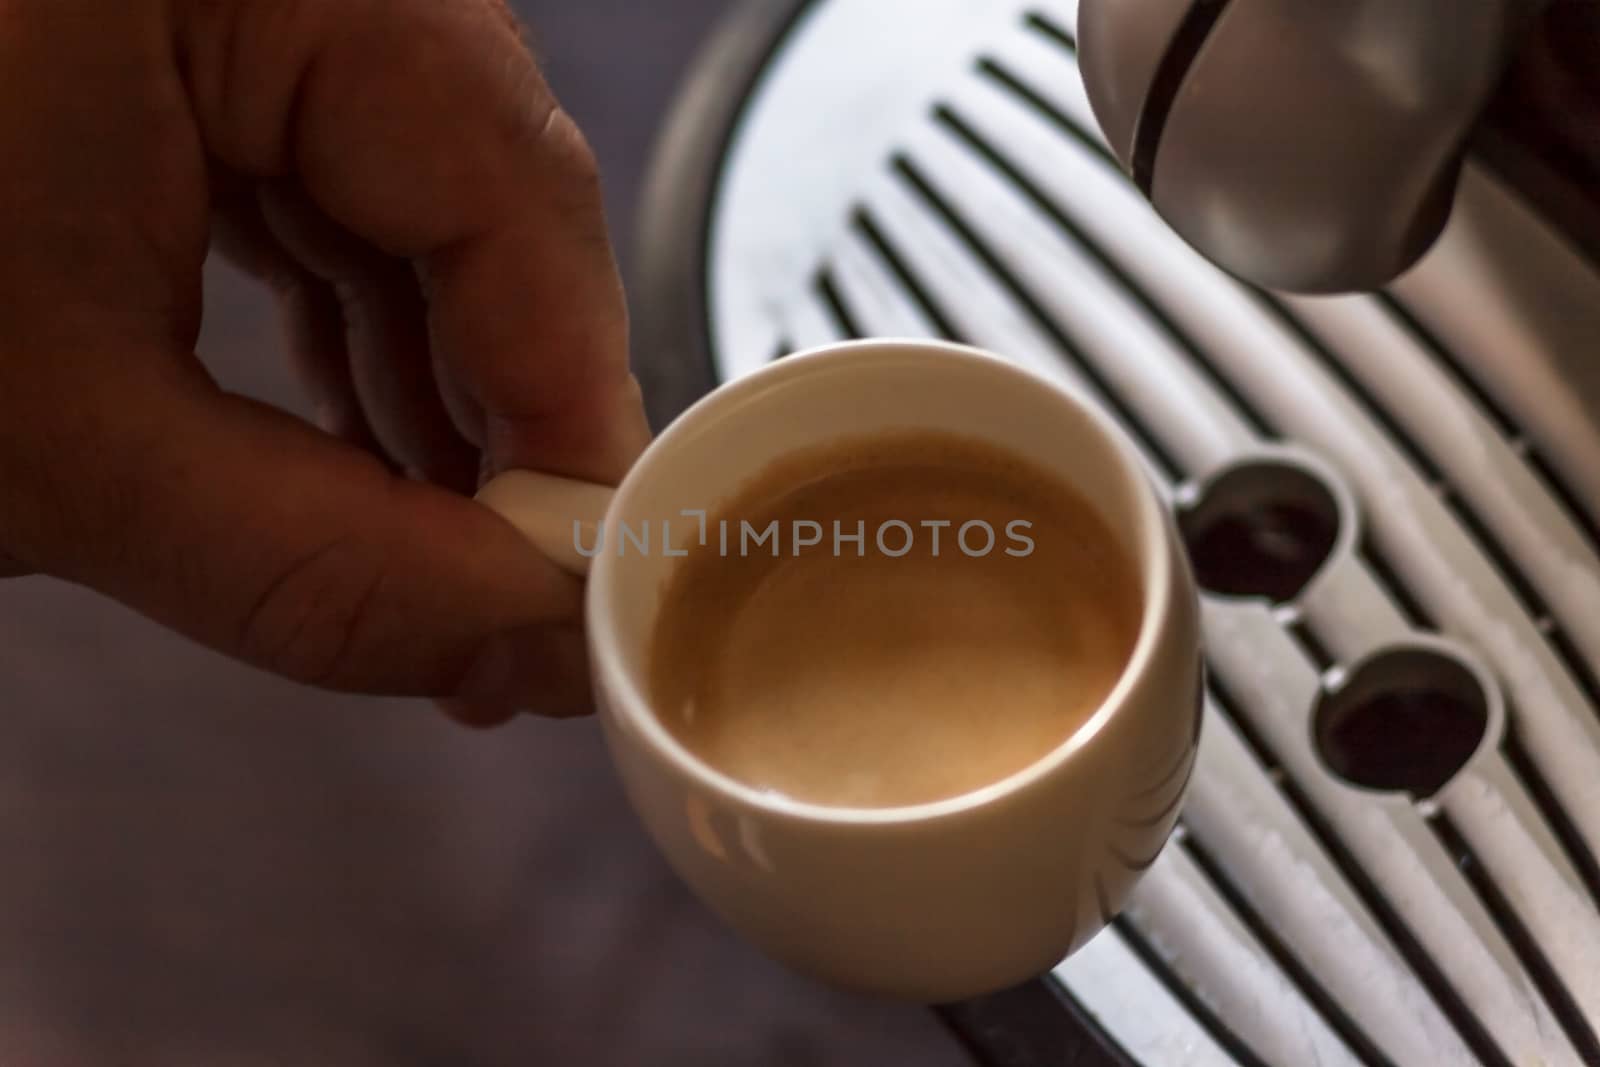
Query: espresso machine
{"x": 1319, "y": 148}
{"x": 1335, "y": 266}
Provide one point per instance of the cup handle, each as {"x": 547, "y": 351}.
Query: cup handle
{"x": 560, "y": 517}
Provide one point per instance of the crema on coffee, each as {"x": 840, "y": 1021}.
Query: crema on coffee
{"x": 891, "y": 621}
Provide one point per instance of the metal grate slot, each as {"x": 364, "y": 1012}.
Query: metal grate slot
{"x": 1041, "y": 23}
{"x": 1002, "y": 76}
{"x": 1311, "y": 645}
{"x": 1328, "y": 1008}
{"x": 809, "y": 323}
{"x": 868, "y": 227}
{"x": 1561, "y": 490}
{"x": 1227, "y": 706}
{"x": 1378, "y": 564}
{"x": 878, "y": 298}
{"x": 1064, "y": 345}
{"x": 843, "y": 317}
{"x": 1433, "y": 978}
{"x": 991, "y": 154}
{"x": 1527, "y": 771}
{"x": 1198, "y": 1010}
{"x": 1562, "y": 1005}
{"x": 1122, "y": 996}
{"x": 1582, "y": 674}
{"x": 1414, "y": 453}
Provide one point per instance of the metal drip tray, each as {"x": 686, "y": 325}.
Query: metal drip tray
{"x": 1390, "y": 854}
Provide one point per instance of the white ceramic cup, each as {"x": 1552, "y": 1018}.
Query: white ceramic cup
{"x": 941, "y": 901}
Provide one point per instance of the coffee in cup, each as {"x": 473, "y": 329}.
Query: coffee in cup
{"x": 892, "y": 620}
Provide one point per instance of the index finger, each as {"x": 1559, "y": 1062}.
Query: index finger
{"x": 426, "y": 128}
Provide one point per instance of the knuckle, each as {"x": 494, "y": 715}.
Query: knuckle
{"x": 502, "y": 10}
{"x": 307, "y": 623}
{"x": 242, "y": 62}
{"x": 564, "y": 147}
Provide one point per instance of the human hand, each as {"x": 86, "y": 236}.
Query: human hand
{"x": 431, "y": 223}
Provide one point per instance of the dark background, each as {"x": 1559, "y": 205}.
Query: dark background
{"x": 201, "y": 865}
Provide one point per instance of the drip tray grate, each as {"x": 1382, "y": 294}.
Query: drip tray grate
{"x": 1412, "y": 476}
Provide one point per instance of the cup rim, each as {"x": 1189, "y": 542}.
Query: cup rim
{"x": 1153, "y": 561}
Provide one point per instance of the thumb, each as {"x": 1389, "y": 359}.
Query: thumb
{"x": 271, "y": 542}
